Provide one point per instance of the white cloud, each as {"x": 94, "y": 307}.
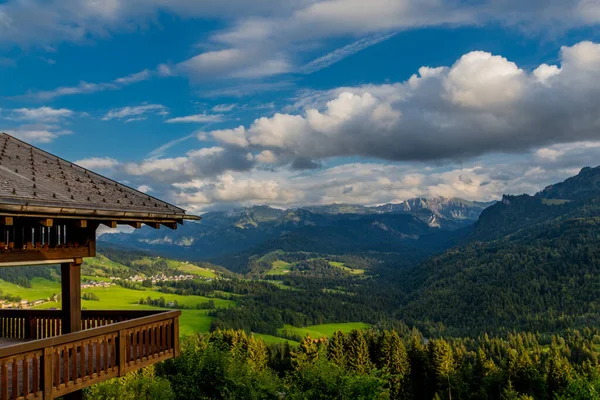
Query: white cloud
{"x": 209, "y": 161}
{"x": 266, "y": 157}
{"x": 135, "y": 113}
{"x": 222, "y": 108}
{"x": 343, "y": 52}
{"x": 483, "y": 103}
{"x": 372, "y": 183}
{"x": 481, "y": 80}
{"x": 133, "y": 78}
{"x": 144, "y": 188}
{"x": 545, "y": 72}
{"x": 88, "y": 88}
{"x": 235, "y": 137}
{"x": 197, "y": 118}
{"x": 42, "y": 114}
{"x": 33, "y": 135}
{"x": 94, "y": 163}
{"x": 235, "y": 63}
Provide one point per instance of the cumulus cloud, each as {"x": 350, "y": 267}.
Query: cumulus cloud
{"x": 135, "y": 113}
{"x": 209, "y": 161}
{"x": 483, "y": 103}
{"x": 373, "y": 183}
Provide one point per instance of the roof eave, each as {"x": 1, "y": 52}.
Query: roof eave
{"x": 92, "y": 214}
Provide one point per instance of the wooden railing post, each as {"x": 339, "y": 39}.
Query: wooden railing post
{"x": 176, "y": 337}
{"x": 122, "y": 357}
{"x": 47, "y": 373}
{"x": 30, "y": 327}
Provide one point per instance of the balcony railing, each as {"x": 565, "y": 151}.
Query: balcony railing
{"x": 49, "y": 365}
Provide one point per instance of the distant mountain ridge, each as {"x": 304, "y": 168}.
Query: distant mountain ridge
{"x": 338, "y": 227}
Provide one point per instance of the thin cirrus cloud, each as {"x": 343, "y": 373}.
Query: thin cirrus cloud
{"x": 88, "y": 88}
{"x": 196, "y": 118}
{"x": 95, "y": 163}
{"x": 135, "y": 113}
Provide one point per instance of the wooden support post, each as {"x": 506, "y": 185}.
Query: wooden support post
{"x": 136, "y": 225}
{"x": 71, "y": 296}
{"x": 154, "y": 225}
{"x": 71, "y": 305}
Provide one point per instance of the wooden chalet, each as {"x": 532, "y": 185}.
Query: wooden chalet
{"x": 50, "y": 209}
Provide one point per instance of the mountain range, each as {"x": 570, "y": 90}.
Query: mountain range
{"x": 335, "y": 229}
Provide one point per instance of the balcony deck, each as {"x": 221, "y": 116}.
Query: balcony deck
{"x": 36, "y": 361}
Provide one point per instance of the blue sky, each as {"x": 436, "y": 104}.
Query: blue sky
{"x": 214, "y": 104}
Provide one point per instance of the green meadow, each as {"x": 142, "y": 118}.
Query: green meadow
{"x": 118, "y": 298}
{"x": 324, "y": 330}
{"x": 41, "y": 289}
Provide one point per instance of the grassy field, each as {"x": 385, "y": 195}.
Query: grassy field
{"x": 100, "y": 264}
{"x": 41, "y": 289}
{"x": 274, "y": 339}
{"x": 279, "y": 268}
{"x": 325, "y": 330}
{"x": 183, "y": 266}
{"x": 118, "y": 298}
{"x": 343, "y": 266}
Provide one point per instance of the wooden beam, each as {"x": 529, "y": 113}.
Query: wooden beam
{"x": 16, "y": 258}
{"x": 8, "y": 221}
{"x": 136, "y": 225}
{"x": 110, "y": 224}
{"x": 47, "y": 222}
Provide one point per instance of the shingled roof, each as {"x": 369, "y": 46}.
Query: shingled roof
{"x": 35, "y": 181}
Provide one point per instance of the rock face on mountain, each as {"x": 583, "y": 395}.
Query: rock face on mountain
{"x": 515, "y": 213}
{"x": 338, "y": 227}
{"x": 583, "y": 186}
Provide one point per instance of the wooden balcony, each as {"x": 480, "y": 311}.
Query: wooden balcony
{"x": 37, "y": 362}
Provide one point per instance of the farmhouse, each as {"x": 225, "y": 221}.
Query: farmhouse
{"x": 50, "y": 209}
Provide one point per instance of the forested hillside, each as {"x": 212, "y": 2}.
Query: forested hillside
{"x": 531, "y": 263}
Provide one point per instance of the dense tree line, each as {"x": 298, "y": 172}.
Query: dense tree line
{"x": 377, "y": 364}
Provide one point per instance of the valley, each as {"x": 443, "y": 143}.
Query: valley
{"x": 510, "y": 298}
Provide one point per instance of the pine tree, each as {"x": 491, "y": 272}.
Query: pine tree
{"x": 442, "y": 361}
{"x": 336, "y": 349}
{"x": 358, "y": 352}
{"x": 258, "y": 354}
{"x": 559, "y": 373}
